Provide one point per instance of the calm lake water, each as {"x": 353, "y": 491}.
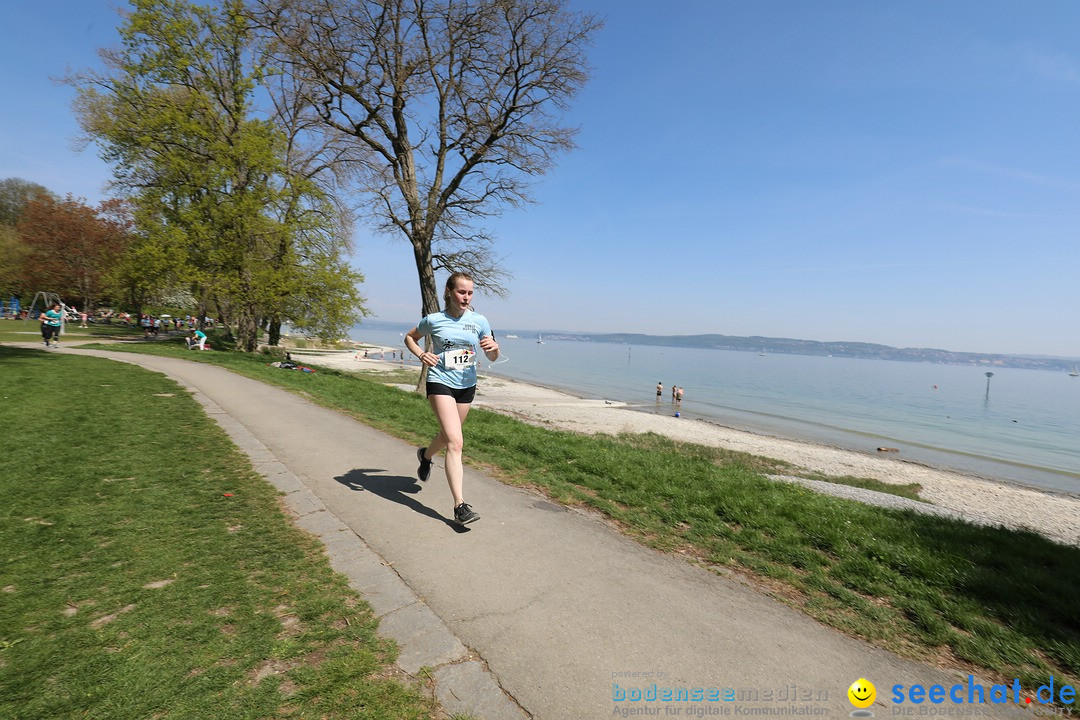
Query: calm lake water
{"x": 1026, "y": 429}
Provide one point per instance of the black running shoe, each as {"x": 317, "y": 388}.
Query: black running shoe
{"x": 424, "y": 470}
{"x": 464, "y": 514}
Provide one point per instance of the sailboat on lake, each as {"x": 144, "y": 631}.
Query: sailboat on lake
{"x": 1074, "y": 372}
{"x": 539, "y": 338}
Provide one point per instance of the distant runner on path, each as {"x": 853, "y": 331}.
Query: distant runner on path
{"x": 50, "y": 325}
{"x": 451, "y": 383}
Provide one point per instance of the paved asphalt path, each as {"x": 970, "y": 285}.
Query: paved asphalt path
{"x": 535, "y": 610}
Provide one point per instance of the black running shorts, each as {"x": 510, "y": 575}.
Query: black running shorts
{"x": 462, "y": 396}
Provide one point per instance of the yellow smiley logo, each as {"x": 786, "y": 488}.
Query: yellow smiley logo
{"x": 862, "y": 693}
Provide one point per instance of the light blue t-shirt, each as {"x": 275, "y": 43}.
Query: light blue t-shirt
{"x": 456, "y": 341}
{"x": 53, "y": 318}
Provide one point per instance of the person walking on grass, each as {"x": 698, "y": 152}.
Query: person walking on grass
{"x": 50, "y": 325}
{"x": 451, "y": 382}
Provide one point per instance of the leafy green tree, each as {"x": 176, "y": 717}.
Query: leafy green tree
{"x": 318, "y": 169}
{"x": 175, "y": 115}
{"x": 451, "y": 106}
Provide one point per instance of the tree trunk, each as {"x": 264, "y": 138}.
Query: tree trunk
{"x": 246, "y": 333}
{"x": 247, "y": 329}
{"x": 429, "y": 294}
{"x": 274, "y": 332}
{"x": 136, "y": 305}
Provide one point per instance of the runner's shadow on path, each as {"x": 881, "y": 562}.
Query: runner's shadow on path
{"x": 394, "y": 488}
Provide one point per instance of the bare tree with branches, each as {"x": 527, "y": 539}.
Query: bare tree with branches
{"x": 454, "y": 104}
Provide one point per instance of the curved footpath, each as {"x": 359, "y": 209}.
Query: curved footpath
{"x": 536, "y": 610}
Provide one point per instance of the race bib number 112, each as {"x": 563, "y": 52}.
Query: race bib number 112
{"x": 459, "y": 359}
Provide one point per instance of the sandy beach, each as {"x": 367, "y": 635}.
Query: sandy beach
{"x": 1056, "y": 516}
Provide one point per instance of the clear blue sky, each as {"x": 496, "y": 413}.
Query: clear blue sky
{"x": 897, "y": 172}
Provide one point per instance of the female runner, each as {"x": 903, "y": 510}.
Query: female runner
{"x": 451, "y": 383}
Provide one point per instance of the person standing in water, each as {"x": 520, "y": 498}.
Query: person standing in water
{"x": 451, "y": 382}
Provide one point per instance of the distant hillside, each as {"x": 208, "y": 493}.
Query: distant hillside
{"x": 813, "y": 347}
{"x": 790, "y": 346}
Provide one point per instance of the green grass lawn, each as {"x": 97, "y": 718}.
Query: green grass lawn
{"x": 1001, "y": 601}
{"x": 149, "y": 573}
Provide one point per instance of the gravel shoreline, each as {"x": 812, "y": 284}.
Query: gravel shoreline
{"x": 978, "y": 500}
